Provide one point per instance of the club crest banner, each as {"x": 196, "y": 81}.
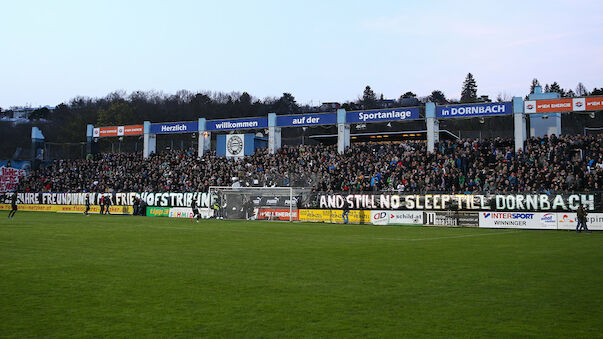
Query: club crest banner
{"x": 235, "y": 145}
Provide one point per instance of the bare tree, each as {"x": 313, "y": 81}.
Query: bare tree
{"x": 581, "y": 91}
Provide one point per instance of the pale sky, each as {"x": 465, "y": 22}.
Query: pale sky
{"x": 52, "y": 51}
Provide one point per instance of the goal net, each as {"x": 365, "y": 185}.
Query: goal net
{"x": 255, "y": 203}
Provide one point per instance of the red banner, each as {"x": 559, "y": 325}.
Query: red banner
{"x": 594, "y": 104}
{"x": 564, "y": 105}
{"x": 9, "y": 178}
{"x": 117, "y": 131}
{"x": 276, "y": 214}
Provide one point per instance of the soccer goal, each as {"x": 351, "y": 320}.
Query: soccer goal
{"x": 254, "y": 203}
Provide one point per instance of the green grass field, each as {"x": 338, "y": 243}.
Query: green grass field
{"x": 70, "y": 275}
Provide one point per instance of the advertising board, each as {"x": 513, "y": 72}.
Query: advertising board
{"x": 334, "y": 216}
{"x": 568, "y": 221}
{"x": 187, "y": 212}
{"x": 276, "y": 214}
{"x": 563, "y": 105}
{"x": 117, "y": 131}
{"x": 158, "y": 212}
{"x": 414, "y": 218}
{"x": 440, "y": 219}
{"x": 527, "y": 220}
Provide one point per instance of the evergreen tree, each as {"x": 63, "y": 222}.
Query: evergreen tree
{"x": 597, "y": 91}
{"x": 438, "y": 97}
{"x": 469, "y": 93}
{"x": 555, "y": 88}
{"x": 369, "y": 99}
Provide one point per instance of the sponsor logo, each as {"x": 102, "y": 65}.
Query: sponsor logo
{"x": 579, "y": 104}
{"x": 434, "y": 219}
{"x": 566, "y": 218}
{"x": 548, "y": 218}
{"x": 527, "y": 216}
{"x": 380, "y": 216}
{"x": 530, "y": 106}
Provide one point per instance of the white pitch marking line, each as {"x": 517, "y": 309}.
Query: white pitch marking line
{"x": 451, "y": 237}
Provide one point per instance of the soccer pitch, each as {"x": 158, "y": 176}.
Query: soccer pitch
{"x": 71, "y": 275}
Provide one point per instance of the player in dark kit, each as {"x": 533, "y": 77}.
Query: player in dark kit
{"x": 87, "y": 205}
{"x": 108, "y": 203}
{"x": 13, "y": 205}
{"x": 196, "y": 213}
{"x": 582, "y": 220}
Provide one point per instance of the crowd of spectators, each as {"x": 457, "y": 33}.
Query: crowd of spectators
{"x": 548, "y": 164}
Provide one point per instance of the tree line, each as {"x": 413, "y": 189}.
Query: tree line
{"x": 67, "y": 122}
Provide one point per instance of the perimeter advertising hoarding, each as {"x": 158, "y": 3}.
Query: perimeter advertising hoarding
{"x": 276, "y": 214}
{"x": 414, "y": 218}
{"x": 563, "y": 105}
{"x": 469, "y": 110}
{"x": 334, "y": 216}
{"x": 520, "y": 220}
{"x": 463, "y": 202}
{"x": 236, "y": 124}
{"x": 569, "y": 221}
{"x": 187, "y": 212}
{"x": 382, "y": 115}
{"x": 175, "y": 127}
{"x": 306, "y": 119}
{"x": 158, "y": 212}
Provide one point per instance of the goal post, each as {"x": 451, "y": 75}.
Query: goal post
{"x": 254, "y": 203}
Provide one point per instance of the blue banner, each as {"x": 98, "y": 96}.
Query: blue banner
{"x": 379, "y": 115}
{"x": 491, "y": 108}
{"x": 235, "y": 124}
{"x": 306, "y": 119}
{"x": 175, "y": 127}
